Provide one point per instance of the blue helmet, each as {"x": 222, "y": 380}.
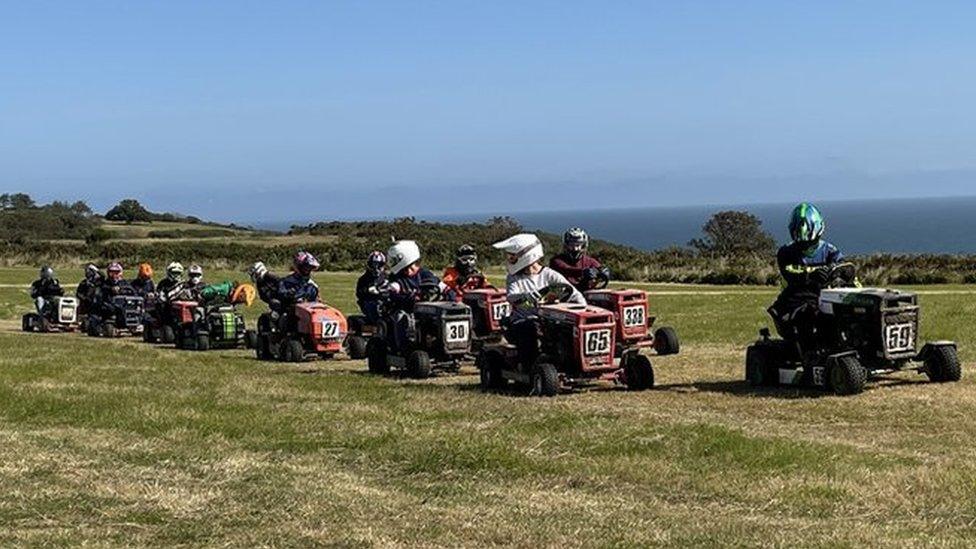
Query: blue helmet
{"x": 806, "y": 224}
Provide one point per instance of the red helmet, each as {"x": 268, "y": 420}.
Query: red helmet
{"x": 305, "y": 263}
{"x": 376, "y": 261}
{"x": 115, "y": 271}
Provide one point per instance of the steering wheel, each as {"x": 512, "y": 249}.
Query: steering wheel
{"x": 430, "y": 291}
{"x": 842, "y": 275}
{"x": 557, "y": 292}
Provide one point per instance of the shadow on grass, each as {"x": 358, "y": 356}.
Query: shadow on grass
{"x": 744, "y": 389}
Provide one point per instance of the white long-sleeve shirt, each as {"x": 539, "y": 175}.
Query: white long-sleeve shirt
{"x": 524, "y": 287}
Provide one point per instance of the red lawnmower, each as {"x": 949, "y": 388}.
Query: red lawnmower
{"x": 577, "y": 344}
{"x": 633, "y": 322}
{"x": 489, "y": 308}
{"x": 309, "y": 330}
{"x": 163, "y": 319}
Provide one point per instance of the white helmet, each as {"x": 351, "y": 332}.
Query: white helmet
{"x": 522, "y": 249}
{"x": 257, "y": 271}
{"x": 402, "y": 254}
{"x": 174, "y": 270}
{"x": 195, "y": 272}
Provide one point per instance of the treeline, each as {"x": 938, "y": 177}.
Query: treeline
{"x": 21, "y": 219}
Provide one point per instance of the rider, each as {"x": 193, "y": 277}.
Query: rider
{"x": 527, "y": 283}
{"x": 583, "y": 271}
{"x": 194, "y": 277}
{"x": 370, "y": 285}
{"x": 407, "y": 283}
{"x": 805, "y": 264}
{"x": 464, "y": 275}
{"x": 87, "y": 290}
{"x": 143, "y": 283}
{"x": 299, "y": 287}
{"x": 112, "y": 286}
{"x": 172, "y": 281}
{"x": 45, "y": 288}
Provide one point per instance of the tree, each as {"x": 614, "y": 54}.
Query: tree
{"x": 16, "y": 201}
{"x": 734, "y": 234}
{"x": 129, "y": 210}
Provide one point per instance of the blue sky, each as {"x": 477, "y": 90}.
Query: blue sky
{"x": 280, "y": 110}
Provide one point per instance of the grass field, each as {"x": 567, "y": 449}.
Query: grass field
{"x": 116, "y": 442}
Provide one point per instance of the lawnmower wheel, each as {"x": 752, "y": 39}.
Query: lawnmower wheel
{"x": 545, "y": 380}
{"x": 250, "y": 339}
{"x": 666, "y": 341}
{"x": 761, "y": 366}
{"x": 168, "y": 335}
{"x": 27, "y": 322}
{"x": 418, "y": 365}
{"x": 263, "y": 347}
{"x": 376, "y": 357}
{"x": 847, "y": 376}
{"x": 108, "y": 329}
{"x": 292, "y": 351}
{"x": 640, "y": 373}
{"x": 356, "y": 345}
{"x": 490, "y": 367}
{"x": 943, "y": 365}
{"x": 203, "y": 342}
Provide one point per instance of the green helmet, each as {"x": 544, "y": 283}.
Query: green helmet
{"x": 806, "y": 224}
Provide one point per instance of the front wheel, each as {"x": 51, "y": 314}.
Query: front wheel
{"x": 639, "y": 373}
{"x": 27, "y": 323}
{"x": 942, "y": 365}
{"x": 108, "y": 329}
{"x": 666, "y": 341}
{"x": 490, "y": 371}
{"x": 847, "y": 376}
{"x": 418, "y": 365}
{"x": 545, "y": 380}
{"x": 762, "y": 369}
{"x": 376, "y": 357}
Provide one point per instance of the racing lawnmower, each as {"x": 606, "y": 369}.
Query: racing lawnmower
{"x": 60, "y": 314}
{"x": 164, "y": 318}
{"x": 633, "y": 323}
{"x": 489, "y": 309}
{"x": 309, "y": 330}
{"x": 120, "y": 315}
{"x": 577, "y": 345}
{"x": 216, "y": 322}
{"x": 860, "y": 333}
{"x": 436, "y": 335}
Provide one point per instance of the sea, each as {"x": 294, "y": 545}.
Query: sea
{"x": 923, "y": 225}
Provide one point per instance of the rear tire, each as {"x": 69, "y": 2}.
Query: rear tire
{"x": 762, "y": 367}
{"x": 943, "y": 365}
{"x": 27, "y": 322}
{"x": 108, "y": 330}
{"x": 639, "y": 373}
{"x": 292, "y": 350}
{"x": 356, "y": 346}
{"x": 490, "y": 370}
{"x": 203, "y": 342}
{"x": 418, "y": 365}
{"x": 168, "y": 335}
{"x": 666, "y": 341}
{"x": 545, "y": 380}
{"x": 376, "y": 357}
{"x": 847, "y": 376}
{"x": 263, "y": 347}
{"x": 250, "y": 339}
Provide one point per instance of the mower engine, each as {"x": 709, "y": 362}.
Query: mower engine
{"x": 323, "y": 327}
{"x": 66, "y": 310}
{"x": 443, "y": 328}
{"x": 129, "y": 312}
{"x": 881, "y": 325}
{"x": 225, "y": 325}
{"x": 580, "y": 338}
{"x": 489, "y": 306}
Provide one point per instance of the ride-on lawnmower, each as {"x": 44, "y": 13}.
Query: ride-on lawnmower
{"x": 577, "y": 345}
{"x": 163, "y": 319}
{"x": 634, "y": 324}
{"x": 122, "y": 315}
{"x": 215, "y": 326}
{"x": 860, "y": 332}
{"x": 59, "y": 315}
{"x": 309, "y": 330}
{"x": 489, "y": 308}
{"x": 437, "y": 335}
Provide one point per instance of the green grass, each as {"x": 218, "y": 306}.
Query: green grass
{"x": 115, "y": 442}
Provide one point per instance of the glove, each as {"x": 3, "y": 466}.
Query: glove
{"x": 820, "y": 276}
{"x": 394, "y": 287}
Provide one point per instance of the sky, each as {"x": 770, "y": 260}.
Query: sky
{"x": 260, "y": 111}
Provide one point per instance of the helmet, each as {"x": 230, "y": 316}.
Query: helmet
{"x": 47, "y": 272}
{"x": 257, "y": 271}
{"x": 376, "y": 261}
{"x": 304, "y": 263}
{"x": 575, "y": 241}
{"x": 806, "y": 224}
{"x": 522, "y": 250}
{"x": 402, "y": 254}
{"x": 91, "y": 272}
{"x": 115, "y": 271}
{"x": 195, "y": 273}
{"x": 465, "y": 258}
{"x": 174, "y": 270}
{"x": 243, "y": 293}
{"x": 145, "y": 271}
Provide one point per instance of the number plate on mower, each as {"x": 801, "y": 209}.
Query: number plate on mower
{"x": 596, "y": 342}
{"x": 330, "y": 329}
{"x": 635, "y": 316}
{"x": 900, "y": 337}
{"x": 501, "y": 310}
{"x": 456, "y": 332}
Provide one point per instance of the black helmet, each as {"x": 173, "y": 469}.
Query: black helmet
{"x": 91, "y": 272}
{"x": 465, "y": 259}
{"x": 575, "y": 241}
{"x": 47, "y": 272}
